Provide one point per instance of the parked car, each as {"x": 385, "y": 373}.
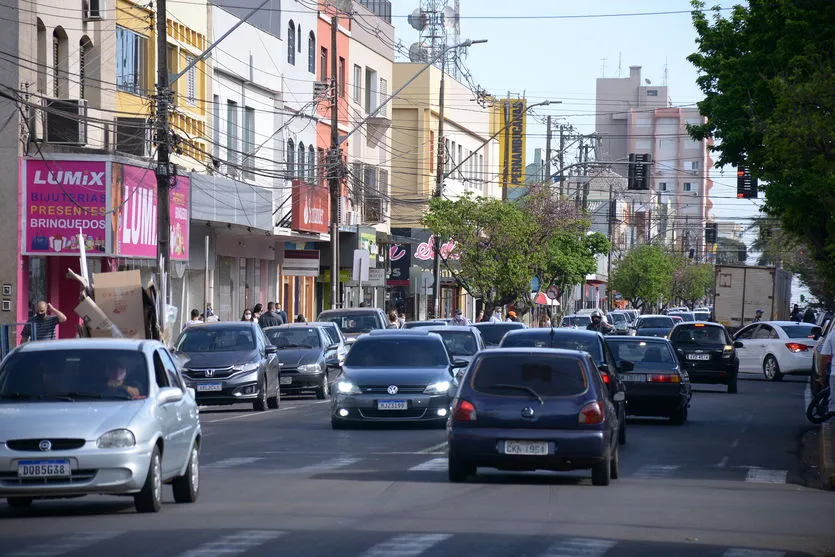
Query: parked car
{"x": 656, "y": 384}
{"x": 355, "y": 322}
{"x": 707, "y": 353}
{"x": 462, "y": 342}
{"x": 653, "y": 326}
{"x": 777, "y": 348}
{"x": 336, "y": 337}
{"x": 303, "y": 355}
{"x": 104, "y": 416}
{"x": 230, "y": 362}
{"x": 395, "y": 376}
{"x": 592, "y": 342}
{"x": 492, "y": 333}
{"x": 533, "y": 408}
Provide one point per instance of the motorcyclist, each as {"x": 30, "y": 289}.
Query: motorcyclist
{"x": 758, "y": 316}
{"x": 598, "y": 324}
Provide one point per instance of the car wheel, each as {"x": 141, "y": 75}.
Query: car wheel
{"x": 614, "y": 465}
{"x": 458, "y": 469}
{"x": 273, "y": 401}
{"x": 732, "y": 385}
{"x": 622, "y": 431}
{"x": 771, "y": 369}
{"x": 601, "y": 473}
{"x": 261, "y": 403}
{"x": 186, "y": 488}
{"x": 679, "y": 417}
{"x": 324, "y": 390}
{"x": 149, "y": 500}
{"x": 19, "y": 502}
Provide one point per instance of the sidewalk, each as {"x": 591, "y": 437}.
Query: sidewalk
{"x": 827, "y": 454}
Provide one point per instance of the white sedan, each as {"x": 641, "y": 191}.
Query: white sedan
{"x": 777, "y": 348}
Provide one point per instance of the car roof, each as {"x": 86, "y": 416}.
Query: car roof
{"x": 417, "y": 331}
{"x": 642, "y": 338}
{"x": 293, "y": 326}
{"x": 787, "y": 323}
{"x": 545, "y": 331}
{"x": 517, "y": 324}
{"x": 349, "y": 310}
{"x": 698, "y": 324}
{"x": 322, "y": 323}
{"x": 90, "y": 344}
{"x": 498, "y": 351}
{"x": 227, "y": 325}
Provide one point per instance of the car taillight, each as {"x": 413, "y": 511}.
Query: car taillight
{"x": 664, "y": 379}
{"x": 592, "y": 413}
{"x": 463, "y": 411}
{"x": 606, "y": 378}
{"x": 796, "y": 347}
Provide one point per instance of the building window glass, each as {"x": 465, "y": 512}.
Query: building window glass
{"x": 216, "y": 126}
{"x": 231, "y": 132}
{"x": 131, "y": 50}
{"x": 60, "y": 64}
{"x": 300, "y": 165}
{"x": 341, "y": 77}
{"x": 371, "y": 98}
{"x": 249, "y": 143}
{"x": 311, "y": 53}
{"x": 687, "y": 186}
{"x": 191, "y": 81}
{"x": 84, "y": 48}
{"x": 291, "y": 43}
{"x": 323, "y": 63}
{"x": 662, "y": 186}
{"x": 384, "y": 93}
{"x": 357, "y": 84}
{"x": 311, "y": 164}
{"x": 291, "y": 158}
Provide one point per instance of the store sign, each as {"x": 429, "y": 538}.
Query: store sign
{"x": 400, "y": 261}
{"x": 426, "y": 250}
{"x": 134, "y": 219}
{"x": 63, "y": 199}
{"x": 310, "y": 207}
{"x": 301, "y": 263}
{"x": 513, "y": 118}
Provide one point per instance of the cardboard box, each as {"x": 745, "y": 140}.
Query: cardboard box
{"x": 119, "y": 295}
{"x": 95, "y": 319}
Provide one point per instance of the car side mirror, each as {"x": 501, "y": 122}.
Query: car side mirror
{"x": 738, "y": 344}
{"x": 169, "y": 394}
{"x": 332, "y": 362}
{"x": 333, "y": 346}
{"x": 627, "y": 366}
{"x": 619, "y": 396}
{"x": 270, "y": 349}
{"x": 458, "y": 364}
{"x": 604, "y": 368}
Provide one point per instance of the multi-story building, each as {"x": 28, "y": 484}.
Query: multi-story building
{"x": 634, "y": 116}
{"x": 414, "y": 143}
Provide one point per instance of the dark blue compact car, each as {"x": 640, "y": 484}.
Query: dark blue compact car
{"x": 530, "y": 409}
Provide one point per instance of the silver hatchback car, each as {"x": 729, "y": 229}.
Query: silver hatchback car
{"x": 103, "y": 416}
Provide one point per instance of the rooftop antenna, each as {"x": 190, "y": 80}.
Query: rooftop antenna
{"x": 666, "y": 71}
{"x": 620, "y": 64}
{"x": 604, "y": 66}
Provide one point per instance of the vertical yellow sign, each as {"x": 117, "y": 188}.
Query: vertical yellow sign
{"x": 513, "y": 119}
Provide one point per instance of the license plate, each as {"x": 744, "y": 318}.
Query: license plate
{"x": 634, "y": 378}
{"x": 288, "y": 380}
{"x": 209, "y": 387}
{"x": 392, "y": 405}
{"x": 534, "y": 448}
{"x": 43, "y": 469}
{"x": 698, "y": 356}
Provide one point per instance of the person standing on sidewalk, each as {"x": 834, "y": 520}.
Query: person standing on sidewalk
{"x": 459, "y": 319}
{"x": 44, "y": 323}
{"x": 270, "y": 318}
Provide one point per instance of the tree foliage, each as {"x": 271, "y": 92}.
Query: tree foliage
{"x": 643, "y": 275}
{"x": 768, "y": 75}
{"x": 690, "y": 282}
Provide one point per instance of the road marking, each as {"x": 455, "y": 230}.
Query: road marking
{"x": 65, "y": 545}
{"x": 434, "y": 448}
{"x": 232, "y": 462}
{"x": 722, "y": 462}
{"x": 325, "y": 465}
{"x": 234, "y": 544}
{"x": 433, "y": 465}
{"x": 656, "y": 471}
{"x": 742, "y": 552}
{"x": 579, "y": 547}
{"x": 763, "y": 476}
{"x": 406, "y": 545}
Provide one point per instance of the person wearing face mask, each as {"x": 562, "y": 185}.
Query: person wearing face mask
{"x": 44, "y": 323}
{"x": 247, "y": 316}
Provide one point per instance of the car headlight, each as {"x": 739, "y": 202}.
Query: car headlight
{"x": 250, "y": 366}
{"x": 116, "y": 439}
{"x": 309, "y": 368}
{"x": 438, "y": 388}
{"x": 347, "y": 388}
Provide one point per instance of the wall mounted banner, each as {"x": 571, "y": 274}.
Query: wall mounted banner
{"x": 513, "y": 115}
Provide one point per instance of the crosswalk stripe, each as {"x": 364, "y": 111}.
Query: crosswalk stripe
{"x": 656, "y": 471}
{"x": 764, "y": 476}
{"x": 742, "y": 552}
{"x": 332, "y": 464}
{"x": 65, "y": 545}
{"x": 579, "y": 547}
{"x": 406, "y": 545}
{"x": 232, "y": 462}
{"x": 433, "y": 465}
{"x": 233, "y": 544}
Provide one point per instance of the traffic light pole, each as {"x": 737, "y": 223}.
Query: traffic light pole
{"x": 333, "y": 167}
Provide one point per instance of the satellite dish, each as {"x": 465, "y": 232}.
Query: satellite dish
{"x": 418, "y": 19}
{"x": 418, "y": 53}
{"x": 450, "y": 17}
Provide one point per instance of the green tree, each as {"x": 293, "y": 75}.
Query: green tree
{"x": 768, "y": 75}
{"x": 728, "y": 251}
{"x": 643, "y": 275}
{"x": 690, "y": 281}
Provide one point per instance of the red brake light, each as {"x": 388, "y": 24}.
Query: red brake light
{"x": 606, "y": 378}
{"x": 664, "y": 379}
{"x": 796, "y": 347}
{"x": 592, "y": 413}
{"x": 464, "y": 411}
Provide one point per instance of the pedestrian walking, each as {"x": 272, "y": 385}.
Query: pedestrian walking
{"x": 247, "y": 315}
{"x": 43, "y": 323}
{"x": 270, "y": 318}
{"x": 281, "y": 313}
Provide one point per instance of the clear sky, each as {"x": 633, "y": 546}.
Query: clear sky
{"x": 556, "y": 49}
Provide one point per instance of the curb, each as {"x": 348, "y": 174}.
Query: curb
{"x": 827, "y": 454}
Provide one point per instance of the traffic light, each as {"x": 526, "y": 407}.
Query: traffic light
{"x": 746, "y": 185}
{"x": 638, "y": 173}
{"x": 742, "y": 256}
{"x": 711, "y": 232}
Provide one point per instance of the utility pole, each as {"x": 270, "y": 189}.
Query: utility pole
{"x": 335, "y": 161}
{"x": 163, "y": 172}
{"x": 562, "y": 161}
{"x": 548, "y": 151}
{"x": 611, "y": 214}
{"x": 506, "y": 157}
{"x": 439, "y": 185}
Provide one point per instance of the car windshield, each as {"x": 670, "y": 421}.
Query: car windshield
{"x": 354, "y": 323}
{"x": 702, "y": 336}
{"x": 459, "y": 343}
{"x": 547, "y": 376}
{"x": 82, "y": 374}
{"x": 203, "y": 339}
{"x": 397, "y": 353}
{"x": 802, "y": 330}
{"x": 618, "y": 318}
{"x": 655, "y": 323}
{"x": 294, "y": 337}
{"x": 333, "y": 333}
{"x": 492, "y": 333}
{"x": 686, "y": 316}
{"x": 544, "y": 339}
{"x": 701, "y": 315}
{"x": 647, "y": 354}
{"x": 576, "y": 321}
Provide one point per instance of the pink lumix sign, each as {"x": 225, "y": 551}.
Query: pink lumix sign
{"x": 134, "y": 197}
{"x": 63, "y": 199}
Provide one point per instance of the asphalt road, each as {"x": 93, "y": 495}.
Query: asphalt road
{"x": 282, "y": 483}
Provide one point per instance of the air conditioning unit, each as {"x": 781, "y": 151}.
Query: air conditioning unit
{"x": 373, "y": 210}
{"x": 134, "y": 136}
{"x": 65, "y": 121}
{"x": 91, "y": 10}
